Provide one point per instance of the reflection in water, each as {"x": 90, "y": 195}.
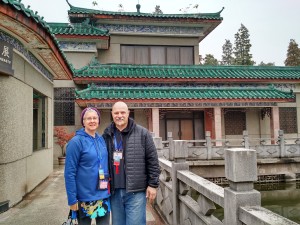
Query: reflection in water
{"x": 281, "y": 198}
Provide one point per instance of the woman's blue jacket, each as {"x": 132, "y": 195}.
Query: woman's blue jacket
{"x": 85, "y": 155}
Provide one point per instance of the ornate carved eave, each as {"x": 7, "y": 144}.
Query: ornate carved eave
{"x": 36, "y": 39}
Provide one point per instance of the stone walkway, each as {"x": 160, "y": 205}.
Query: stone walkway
{"x": 47, "y": 205}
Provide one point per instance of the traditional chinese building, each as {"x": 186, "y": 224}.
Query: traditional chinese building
{"x": 150, "y": 61}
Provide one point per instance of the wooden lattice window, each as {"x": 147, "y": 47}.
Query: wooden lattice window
{"x": 64, "y": 106}
{"x": 235, "y": 121}
{"x": 288, "y": 119}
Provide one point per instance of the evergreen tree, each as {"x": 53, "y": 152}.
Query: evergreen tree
{"x": 227, "y": 58}
{"x": 293, "y": 54}
{"x": 210, "y": 60}
{"x": 242, "y": 47}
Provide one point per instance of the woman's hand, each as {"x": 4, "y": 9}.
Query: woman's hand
{"x": 74, "y": 207}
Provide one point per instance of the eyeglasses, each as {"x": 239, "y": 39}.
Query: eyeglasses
{"x": 89, "y": 119}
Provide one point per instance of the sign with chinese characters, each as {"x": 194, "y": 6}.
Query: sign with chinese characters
{"x": 6, "y": 58}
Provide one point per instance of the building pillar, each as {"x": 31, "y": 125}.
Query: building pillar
{"x": 298, "y": 113}
{"x": 241, "y": 173}
{"x": 218, "y": 125}
{"x": 155, "y": 121}
{"x": 275, "y": 125}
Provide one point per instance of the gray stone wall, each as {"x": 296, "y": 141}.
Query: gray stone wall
{"x": 21, "y": 169}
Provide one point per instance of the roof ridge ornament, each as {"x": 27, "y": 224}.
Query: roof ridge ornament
{"x": 69, "y": 4}
{"x": 94, "y": 62}
{"x": 138, "y": 7}
{"x": 221, "y": 10}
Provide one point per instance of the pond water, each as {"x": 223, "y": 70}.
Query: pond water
{"x": 281, "y": 198}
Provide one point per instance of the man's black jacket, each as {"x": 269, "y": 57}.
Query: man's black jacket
{"x": 140, "y": 155}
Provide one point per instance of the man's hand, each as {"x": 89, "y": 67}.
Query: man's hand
{"x": 151, "y": 194}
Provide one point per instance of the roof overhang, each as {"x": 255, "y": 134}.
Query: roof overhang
{"x": 35, "y": 39}
{"x": 181, "y": 103}
{"x": 206, "y": 22}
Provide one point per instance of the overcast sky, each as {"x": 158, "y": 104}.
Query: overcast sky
{"x": 271, "y": 23}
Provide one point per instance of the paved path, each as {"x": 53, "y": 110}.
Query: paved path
{"x": 47, "y": 205}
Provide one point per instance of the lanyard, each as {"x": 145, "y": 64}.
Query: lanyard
{"x": 118, "y": 146}
{"x": 98, "y": 151}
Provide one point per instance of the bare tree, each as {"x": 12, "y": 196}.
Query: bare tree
{"x": 157, "y": 10}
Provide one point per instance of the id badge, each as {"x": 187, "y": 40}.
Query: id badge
{"x": 101, "y": 174}
{"x": 118, "y": 156}
{"x": 103, "y": 184}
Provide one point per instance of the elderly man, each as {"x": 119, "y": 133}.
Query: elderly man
{"x": 134, "y": 167}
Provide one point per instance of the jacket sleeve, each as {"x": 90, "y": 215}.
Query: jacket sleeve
{"x": 71, "y": 166}
{"x": 152, "y": 164}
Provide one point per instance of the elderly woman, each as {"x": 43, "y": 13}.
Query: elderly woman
{"x": 86, "y": 172}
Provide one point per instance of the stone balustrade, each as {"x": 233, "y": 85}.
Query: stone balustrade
{"x": 187, "y": 199}
{"x": 280, "y": 147}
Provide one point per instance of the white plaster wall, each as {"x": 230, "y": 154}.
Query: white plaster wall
{"x": 79, "y": 60}
{"x": 64, "y": 83}
{"x": 113, "y": 55}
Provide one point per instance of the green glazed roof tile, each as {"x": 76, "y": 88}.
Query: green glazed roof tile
{"x": 175, "y": 92}
{"x": 19, "y": 6}
{"x": 206, "y": 16}
{"x": 77, "y": 29}
{"x": 97, "y": 70}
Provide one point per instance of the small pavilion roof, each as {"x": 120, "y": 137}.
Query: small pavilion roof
{"x": 81, "y": 29}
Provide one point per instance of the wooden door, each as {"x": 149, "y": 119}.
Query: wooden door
{"x": 173, "y": 126}
{"x": 186, "y": 129}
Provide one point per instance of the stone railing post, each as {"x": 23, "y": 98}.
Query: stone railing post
{"x": 208, "y": 144}
{"x": 159, "y": 146}
{"x": 241, "y": 172}
{"x": 179, "y": 163}
{"x": 171, "y": 146}
{"x": 246, "y": 139}
{"x": 281, "y": 143}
